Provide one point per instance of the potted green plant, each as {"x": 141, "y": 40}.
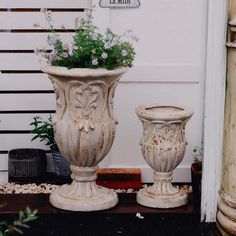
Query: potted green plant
{"x": 196, "y": 174}
{"x": 43, "y": 130}
{"x": 85, "y": 75}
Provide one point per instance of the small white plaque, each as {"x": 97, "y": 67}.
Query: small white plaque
{"x": 119, "y": 3}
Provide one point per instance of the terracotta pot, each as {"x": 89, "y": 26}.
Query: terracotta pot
{"x": 196, "y": 175}
{"x": 84, "y": 132}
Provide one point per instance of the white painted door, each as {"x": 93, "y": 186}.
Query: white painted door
{"x": 169, "y": 68}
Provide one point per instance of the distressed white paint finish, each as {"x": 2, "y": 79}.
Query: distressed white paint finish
{"x": 163, "y": 146}
{"x": 214, "y": 107}
{"x": 55, "y": 4}
{"x": 84, "y": 131}
{"x": 26, "y": 20}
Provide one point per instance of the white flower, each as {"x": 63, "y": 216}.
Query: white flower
{"x": 52, "y": 56}
{"x": 65, "y": 55}
{"x": 108, "y": 45}
{"x": 135, "y": 38}
{"x": 52, "y": 40}
{"x": 66, "y": 46}
{"x": 95, "y": 62}
{"x": 124, "y": 53}
{"x": 104, "y": 55}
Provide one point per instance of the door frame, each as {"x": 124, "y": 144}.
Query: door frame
{"x": 214, "y": 107}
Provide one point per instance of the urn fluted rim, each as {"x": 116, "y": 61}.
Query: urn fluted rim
{"x": 82, "y": 72}
{"x": 176, "y": 112}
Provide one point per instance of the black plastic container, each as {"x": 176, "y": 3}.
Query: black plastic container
{"x": 26, "y": 163}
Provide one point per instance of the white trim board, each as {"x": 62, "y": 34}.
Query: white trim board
{"x": 3, "y": 177}
{"x": 214, "y": 107}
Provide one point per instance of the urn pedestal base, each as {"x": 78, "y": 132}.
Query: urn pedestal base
{"x": 162, "y": 194}
{"x": 83, "y": 194}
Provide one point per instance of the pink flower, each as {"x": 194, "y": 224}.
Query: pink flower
{"x": 95, "y": 62}
{"x": 124, "y": 53}
{"x": 104, "y": 55}
{"x": 108, "y": 45}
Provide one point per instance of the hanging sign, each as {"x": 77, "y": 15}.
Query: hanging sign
{"x": 119, "y": 3}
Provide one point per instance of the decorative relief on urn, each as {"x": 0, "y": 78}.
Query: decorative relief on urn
{"x": 163, "y": 147}
{"x": 87, "y": 101}
{"x": 111, "y": 94}
{"x": 60, "y": 97}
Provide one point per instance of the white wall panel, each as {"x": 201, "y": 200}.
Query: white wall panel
{"x": 24, "y": 95}
{"x": 171, "y": 53}
{"x": 12, "y": 141}
{"x": 139, "y": 73}
{"x": 3, "y": 177}
{"x": 25, "y": 82}
{"x": 8, "y": 121}
{"x": 19, "y": 61}
{"x": 126, "y": 149}
{"x": 26, "y": 20}
{"x": 29, "y": 41}
{"x": 44, "y": 4}
{"x": 169, "y": 31}
{"x": 4, "y": 161}
{"x": 17, "y": 102}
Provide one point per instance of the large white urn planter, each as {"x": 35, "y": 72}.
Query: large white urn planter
{"x": 163, "y": 147}
{"x": 84, "y": 131}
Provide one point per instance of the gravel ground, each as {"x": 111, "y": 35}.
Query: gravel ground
{"x": 14, "y": 188}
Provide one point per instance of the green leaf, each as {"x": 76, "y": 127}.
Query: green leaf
{"x": 17, "y": 230}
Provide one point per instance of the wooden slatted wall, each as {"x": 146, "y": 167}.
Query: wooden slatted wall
{"x": 24, "y": 90}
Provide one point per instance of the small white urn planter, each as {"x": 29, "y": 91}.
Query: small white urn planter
{"x": 84, "y": 131}
{"x": 163, "y": 147}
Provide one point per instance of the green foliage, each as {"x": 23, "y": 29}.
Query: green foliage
{"x": 18, "y": 225}
{"x": 43, "y": 130}
{"x": 90, "y": 49}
